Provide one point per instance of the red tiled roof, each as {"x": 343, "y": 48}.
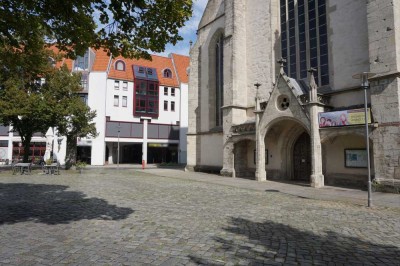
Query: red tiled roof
{"x": 101, "y": 61}
{"x": 181, "y": 64}
{"x": 160, "y": 63}
{"x": 66, "y": 61}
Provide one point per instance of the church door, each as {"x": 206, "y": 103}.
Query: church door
{"x": 302, "y": 158}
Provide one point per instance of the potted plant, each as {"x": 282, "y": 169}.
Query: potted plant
{"x": 80, "y": 166}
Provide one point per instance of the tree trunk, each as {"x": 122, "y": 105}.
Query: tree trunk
{"x": 26, "y": 143}
{"x": 70, "y": 157}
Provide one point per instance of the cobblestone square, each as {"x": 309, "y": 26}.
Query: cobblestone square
{"x": 127, "y": 217}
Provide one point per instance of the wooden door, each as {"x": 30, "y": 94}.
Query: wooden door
{"x": 302, "y": 158}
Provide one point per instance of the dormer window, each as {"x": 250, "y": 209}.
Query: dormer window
{"x": 167, "y": 73}
{"x": 120, "y": 65}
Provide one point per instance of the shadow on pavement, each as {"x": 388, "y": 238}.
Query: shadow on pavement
{"x": 269, "y": 242}
{"x": 53, "y": 204}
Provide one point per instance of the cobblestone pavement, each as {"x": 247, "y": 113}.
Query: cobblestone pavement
{"x": 109, "y": 217}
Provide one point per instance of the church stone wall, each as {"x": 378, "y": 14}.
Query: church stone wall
{"x": 261, "y": 22}
{"x": 348, "y": 42}
{"x": 384, "y": 49}
{"x": 210, "y": 144}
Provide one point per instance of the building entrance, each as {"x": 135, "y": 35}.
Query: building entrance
{"x": 302, "y": 158}
{"x": 156, "y": 153}
{"x": 84, "y": 154}
{"x": 132, "y": 153}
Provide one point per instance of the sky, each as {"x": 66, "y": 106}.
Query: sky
{"x": 188, "y": 32}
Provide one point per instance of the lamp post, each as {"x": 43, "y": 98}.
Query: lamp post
{"x": 119, "y": 130}
{"x": 365, "y": 85}
{"x": 52, "y": 146}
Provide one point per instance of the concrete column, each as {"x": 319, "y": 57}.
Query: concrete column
{"x": 261, "y": 174}
{"x": 10, "y": 145}
{"x": 194, "y": 107}
{"x": 144, "y": 146}
{"x": 228, "y": 163}
{"x": 110, "y": 146}
{"x": 233, "y": 166}
{"x": 317, "y": 178}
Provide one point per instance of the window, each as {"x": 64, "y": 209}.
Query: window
{"x": 116, "y": 100}
{"x": 219, "y": 74}
{"x": 3, "y": 143}
{"x": 152, "y": 89}
{"x": 146, "y": 97}
{"x": 124, "y": 101}
{"x": 167, "y": 73}
{"x": 84, "y": 98}
{"x": 165, "y": 90}
{"x": 165, "y": 105}
{"x": 116, "y": 84}
{"x": 120, "y": 65}
{"x": 304, "y": 39}
{"x": 149, "y": 71}
{"x": 140, "y": 105}
{"x": 141, "y": 87}
{"x": 141, "y": 70}
{"x": 84, "y": 81}
{"x": 81, "y": 63}
{"x": 173, "y": 106}
{"x": 125, "y": 86}
{"x": 172, "y": 91}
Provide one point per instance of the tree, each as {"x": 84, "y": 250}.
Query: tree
{"x": 124, "y": 27}
{"x": 75, "y": 121}
{"x": 22, "y": 101}
{"x": 34, "y": 95}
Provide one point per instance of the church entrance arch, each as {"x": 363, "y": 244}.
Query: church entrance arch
{"x": 287, "y": 150}
{"x": 302, "y": 158}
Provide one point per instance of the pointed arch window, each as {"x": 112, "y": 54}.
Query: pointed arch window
{"x": 219, "y": 78}
{"x": 304, "y": 38}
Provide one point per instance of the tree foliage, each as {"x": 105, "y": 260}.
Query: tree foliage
{"x": 34, "y": 95}
{"x": 124, "y": 27}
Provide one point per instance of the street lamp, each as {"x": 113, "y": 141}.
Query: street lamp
{"x": 119, "y": 130}
{"x": 52, "y": 146}
{"x": 365, "y": 85}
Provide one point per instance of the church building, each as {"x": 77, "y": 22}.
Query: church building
{"x": 275, "y": 91}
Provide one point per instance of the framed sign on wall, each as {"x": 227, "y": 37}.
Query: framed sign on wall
{"x": 356, "y": 158}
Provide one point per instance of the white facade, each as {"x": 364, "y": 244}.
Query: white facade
{"x": 158, "y": 139}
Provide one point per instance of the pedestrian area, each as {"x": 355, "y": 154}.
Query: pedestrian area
{"x": 167, "y": 217}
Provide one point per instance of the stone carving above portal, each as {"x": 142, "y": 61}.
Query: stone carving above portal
{"x": 244, "y": 128}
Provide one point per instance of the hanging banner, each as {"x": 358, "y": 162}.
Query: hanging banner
{"x": 343, "y": 118}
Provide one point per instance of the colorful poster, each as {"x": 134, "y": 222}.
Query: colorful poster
{"x": 343, "y": 118}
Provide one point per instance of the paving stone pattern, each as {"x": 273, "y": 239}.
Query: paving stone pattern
{"x": 109, "y": 217}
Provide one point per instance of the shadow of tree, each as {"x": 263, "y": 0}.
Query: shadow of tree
{"x": 53, "y": 204}
{"x": 268, "y": 242}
